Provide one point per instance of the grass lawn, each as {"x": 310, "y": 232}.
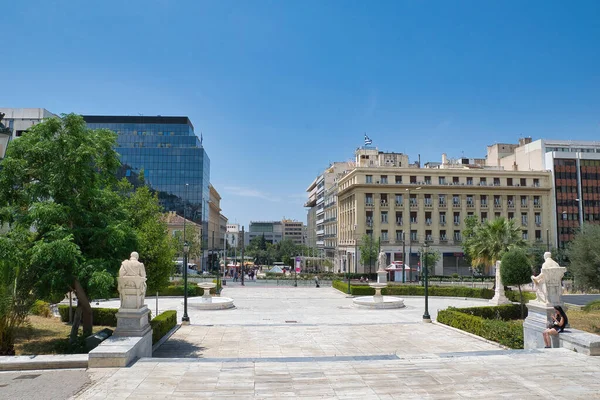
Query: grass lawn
{"x": 588, "y": 321}
{"x": 40, "y": 335}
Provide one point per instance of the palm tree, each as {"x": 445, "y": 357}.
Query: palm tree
{"x": 488, "y": 241}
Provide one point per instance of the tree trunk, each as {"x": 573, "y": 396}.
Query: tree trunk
{"x": 522, "y": 305}
{"x": 75, "y": 326}
{"x": 86, "y": 310}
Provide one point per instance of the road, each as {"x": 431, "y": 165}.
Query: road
{"x": 42, "y": 385}
{"x": 580, "y": 299}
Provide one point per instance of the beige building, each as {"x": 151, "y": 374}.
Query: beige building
{"x": 217, "y": 222}
{"x": 406, "y": 205}
{"x": 175, "y": 223}
{"x": 293, "y": 230}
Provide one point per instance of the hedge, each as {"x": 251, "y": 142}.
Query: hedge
{"x": 504, "y": 312}
{"x": 162, "y": 324}
{"x": 101, "y": 316}
{"x": 413, "y": 290}
{"x": 41, "y": 308}
{"x": 177, "y": 290}
{"x": 513, "y": 295}
{"x": 507, "y": 333}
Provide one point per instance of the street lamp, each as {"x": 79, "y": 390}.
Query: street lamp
{"x": 410, "y": 231}
{"x": 185, "y": 320}
{"x": 426, "y": 316}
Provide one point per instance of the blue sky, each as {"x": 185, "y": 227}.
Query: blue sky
{"x": 282, "y": 88}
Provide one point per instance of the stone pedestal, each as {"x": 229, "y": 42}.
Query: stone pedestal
{"x": 538, "y": 316}
{"x": 499, "y": 297}
{"x": 132, "y": 322}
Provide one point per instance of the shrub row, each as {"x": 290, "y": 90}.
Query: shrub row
{"x": 505, "y": 312}
{"x": 513, "y": 295}
{"x": 162, "y": 324}
{"x": 465, "y": 278}
{"x": 593, "y": 306}
{"x": 101, "y": 316}
{"x": 507, "y": 333}
{"x": 41, "y": 308}
{"x": 413, "y": 290}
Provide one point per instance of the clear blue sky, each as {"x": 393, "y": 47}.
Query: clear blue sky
{"x": 282, "y": 88}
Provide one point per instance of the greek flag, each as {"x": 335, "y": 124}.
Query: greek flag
{"x": 368, "y": 141}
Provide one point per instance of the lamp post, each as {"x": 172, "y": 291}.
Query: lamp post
{"x": 242, "y": 268}
{"x": 404, "y": 257}
{"x": 185, "y": 320}
{"x": 426, "y": 316}
{"x": 410, "y": 232}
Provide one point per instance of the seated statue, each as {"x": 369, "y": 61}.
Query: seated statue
{"x": 541, "y": 280}
{"x": 132, "y": 282}
{"x": 540, "y": 288}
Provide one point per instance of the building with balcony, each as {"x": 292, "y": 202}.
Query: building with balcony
{"x": 575, "y": 169}
{"x": 217, "y": 222}
{"x": 405, "y": 205}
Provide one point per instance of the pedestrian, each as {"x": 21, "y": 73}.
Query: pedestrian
{"x": 558, "y": 324}
{"x": 235, "y": 276}
{"x": 317, "y": 281}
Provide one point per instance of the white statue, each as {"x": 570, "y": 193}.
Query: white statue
{"x": 548, "y": 282}
{"x": 132, "y": 282}
{"x": 382, "y": 261}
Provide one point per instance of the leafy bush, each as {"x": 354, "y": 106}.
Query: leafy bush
{"x": 41, "y": 308}
{"x": 505, "y": 312}
{"x": 507, "y": 333}
{"x": 101, "y": 316}
{"x": 514, "y": 296}
{"x": 162, "y": 324}
{"x": 412, "y": 290}
{"x": 594, "y": 305}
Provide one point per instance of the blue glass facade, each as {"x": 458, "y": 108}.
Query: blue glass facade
{"x": 170, "y": 155}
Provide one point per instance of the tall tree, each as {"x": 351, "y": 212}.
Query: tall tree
{"x": 57, "y": 182}
{"x": 487, "y": 242}
{"x": 584, "y": 254}
{"x": 369, "y": 250}
{"x": 515, "y": 270}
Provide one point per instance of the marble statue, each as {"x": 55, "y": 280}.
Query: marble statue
{"x": 548, "y": 282}
{"x": 132, "y": 283}
{"x": 382, "y": 261}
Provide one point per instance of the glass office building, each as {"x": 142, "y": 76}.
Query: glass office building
{"x": 170, "y": 155}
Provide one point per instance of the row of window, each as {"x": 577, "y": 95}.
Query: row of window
{"x": 469, "y": 181}
{"x": 443, "y": 235}
{"x": 399, "y": 220}
{"x": 456, "y": 199}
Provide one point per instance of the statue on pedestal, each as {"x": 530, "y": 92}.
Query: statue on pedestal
{"x": 548, "y": 282}
{"x": 132, "y": 283}
{"x": 382, "y": 261}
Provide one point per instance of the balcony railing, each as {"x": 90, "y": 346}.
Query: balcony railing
{"x": 497, "y": 205}
{"x": 428, "y": 205}
{"x": 399, "y": 204}
{"x": 537, "y": 205}
{"x": 484, "y": 205}
{"x": 470, "y": 205}
{"x": 443, "y": 223}
{"x": 384, "y": 203}
{"x": 456, "y": 205}
{"x": 414, "y": 204}
{"x": 399, "y": 222}
{"x": 369, "y": 204}
{"x": 442, "y": 204}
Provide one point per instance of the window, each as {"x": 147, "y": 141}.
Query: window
{"x": 443, "y": 236}
{"x": 413, "y": 200}
{"x": 470, "y": 201}
{"x": 442, "y": 180}
{"x": 399, "y": 235}
{"x": 469, "y": 180}
{"x": 511, "y": 216}
{"x": 484, "y": 217}
{"x": 413, "y": 217}
{"x": 455, "y": 180}
{"x": 511, "y": 201}
{"x": 536, "y": 183}
{"x": 509, "y": 182}
{"x": 497, "y": 201}
{"x": 538, "y": 235}
{"x": 413, "y": 236}
{"x": 399, "y": 218}
{"x": 398, "y": 179}
{"x": 457, "y": 218}
{"x": 413, "y": 179}
{"x": 428, "y": 236}
{"x": 428, "y": 218}
{"x": 524, "y": 218}
{"x": 384, "y": 179}
{"x": 428, "y": 200}
{"x": 428, "y": 180}
{"x": 456, "y": 200}
{"x": 442, "y": 218}
{"x": 496, "y": 181}
{"x": 483, "y": 200}
{"x": 398, "y": 199}
{"x": 457, "y": 237}
{"x": 523, "y": 201}
{"x": 523, "y": 182}
{"x": 497, "y": 215}
{"x": 442, "y": 199}
{"x": 538, "y": 219}
{"x": 369, "y": 199}
{"x": 369, "y": 178}
{"x": 384, "y": 235}
{"x": 384, "y": 217}
{"x": 537, "y": 202}
{"x": 482, "y": 181}
{"x": 525, "y": 235}
{"x": 384, "y": 199}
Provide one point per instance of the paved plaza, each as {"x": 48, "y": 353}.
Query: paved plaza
{"x": 313, "y": 343}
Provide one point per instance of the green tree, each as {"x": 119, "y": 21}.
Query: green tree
{"x": 369, "y": 250}
{"x": 58, "y": 182}
{"x": 584, "y": 254}
{"x": 515, "y": 270}
{"x": 487, "y": 242}
{"x": 193, "y": 237}
{"x": 433, "y": 256}
{"x": 153, "y": 242}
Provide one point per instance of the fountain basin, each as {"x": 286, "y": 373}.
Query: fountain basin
{"x": 379, "y": 302}
{"x": 212, "y": 303}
